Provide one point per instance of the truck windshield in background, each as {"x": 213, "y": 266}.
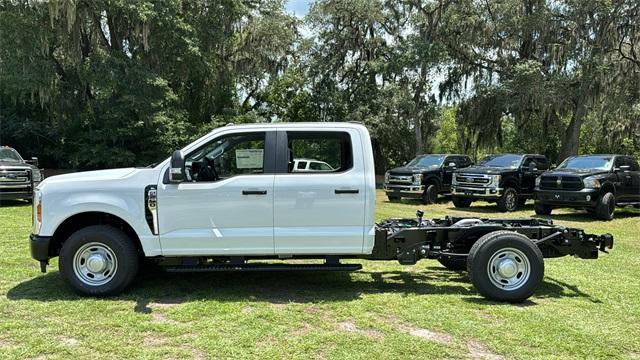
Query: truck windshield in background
{"x": 587, "y": 162}
{"x": 504, "y": 161}
{"x": 9, "y": 155}
{"x": 427, "y": 161}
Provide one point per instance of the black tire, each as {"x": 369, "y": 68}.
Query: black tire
{"x": 102, "y": 237}
{"x": 454, "y": 263}
{"x": 393, "y": 198}
{"x": 488, "y": 249}
{"x": 509, "y": 200}
{"x": 606, "y": 207}
{"x": 542, "y": 209}
{"x": 430, "y": 194}
{"x": 461, "y": 202}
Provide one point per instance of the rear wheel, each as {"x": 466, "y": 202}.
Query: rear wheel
{"x": 505, "y": 266}
{"x": 455, "y": 263}
{"x": 606, "y": 207}
{"x": 430, "y": 194}
{"x": 542, "y": 209}
{"x": 461, "y": 202}
{"x": 509, "y": 200}
{"x": 98, "y": 260}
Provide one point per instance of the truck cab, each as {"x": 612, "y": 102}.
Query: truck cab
{"x": 424, "y": 177}
{"x": 18, "y": 176}
{"x": 596, "y": 183}
{"x": 506, "y": 179}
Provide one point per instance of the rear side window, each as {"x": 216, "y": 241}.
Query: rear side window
{"x": 633, "y": 164}
{"x": 326, "y": 152}
{"x": 301, "y": 165}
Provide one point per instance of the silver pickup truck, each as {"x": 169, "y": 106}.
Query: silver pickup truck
{"x": 18, "y": 177}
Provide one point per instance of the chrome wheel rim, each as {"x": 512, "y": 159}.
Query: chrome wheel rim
{"x": 509, "y": 269}
{"x": 510, "y": 199}
{"x": 95, "y": 264}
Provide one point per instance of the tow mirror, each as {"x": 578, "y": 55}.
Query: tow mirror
{"x": 533, "y": 167}
{"x": 623, "y": 168}
{"x": 176, "y": 169}
{"x": 452, "y": 165}
{"x": 33, "y": 161}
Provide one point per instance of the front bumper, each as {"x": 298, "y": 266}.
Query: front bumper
{"x": 15, "y": 194}
{"x": 408, "y": 190}
{"x": 560, "y": 198}
{"x": 476, "y": 192}
{"x": 40, "y": 247}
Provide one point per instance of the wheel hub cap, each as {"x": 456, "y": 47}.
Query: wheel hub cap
{"x": 96, "y": 263}
{"x": 507, "y": 268}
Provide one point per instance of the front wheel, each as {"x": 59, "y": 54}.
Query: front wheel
{"x": 505, "y": 266}
{"x": 98, "y": 260}
{"x": 461, "y": 202}
{"x": 509, "y": 200}
{"x": 606, "y": 207}
{"x": 430, "y": 194}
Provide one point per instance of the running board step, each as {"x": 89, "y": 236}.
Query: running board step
{"x": 265, "y": 267}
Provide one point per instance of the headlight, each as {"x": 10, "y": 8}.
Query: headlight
{"x": 37, "y": 212}
{"x": 495, "y": 179}
{"x": 386, "y": 177}
{"x": 36, "y": 175}
{"x": 591, "y": 182}
{"x": 417, "y": 179}
{"x": 538, "y": 181}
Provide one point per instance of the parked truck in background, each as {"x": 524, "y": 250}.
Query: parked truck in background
{"x": 596, "y": 183}
{"x": 233, "y": 196}
{"x": 506, "y": 179}
{"x": 425, "y": 177}
{"x": 18, "y": 177}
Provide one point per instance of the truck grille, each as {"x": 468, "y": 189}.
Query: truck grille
{"x": 14, "y": 177}
{"x": 400, "y": 179}
{"x": 561, "y": 183}
{"x": 472, "y": 180}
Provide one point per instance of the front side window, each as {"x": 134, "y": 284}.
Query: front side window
{"x": 507, "y": 161}
{"x": 232, "y": 155}
{"x": 323, "y": 151}
{"x": 9, "y": 155}
{"x": 427, "y": 161}
{"x": 587, "y": 163}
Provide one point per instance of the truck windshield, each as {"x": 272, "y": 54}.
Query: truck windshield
{"x": 9, "y": 155}
{"x": 587, "y": 162}
{"x": 426, "y": 161}
{"x": 506, "y": 161}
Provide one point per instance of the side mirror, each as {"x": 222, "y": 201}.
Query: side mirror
{"x": 452, "y": 165}
{"x": 176, "y": 169}
{"x": 33, "y": 161}
{"x": 533, "y": 167}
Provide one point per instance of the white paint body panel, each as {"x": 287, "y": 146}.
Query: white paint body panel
{"x": 300, "y": 214}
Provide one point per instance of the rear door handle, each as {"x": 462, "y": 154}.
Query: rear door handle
{"x": 254, "y": 192}
{"x": 346, "y": 191}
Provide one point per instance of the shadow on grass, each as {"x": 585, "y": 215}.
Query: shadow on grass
{"x": 14, "y": 203}
{"x": 156, "y": 286}
{"x": 586, "y": 217}
{"x": 489, "y": 209}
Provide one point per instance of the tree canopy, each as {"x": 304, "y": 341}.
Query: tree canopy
{"x": 106, "y": 83}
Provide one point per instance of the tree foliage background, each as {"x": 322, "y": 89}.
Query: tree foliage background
{"x": 106, "y": 83}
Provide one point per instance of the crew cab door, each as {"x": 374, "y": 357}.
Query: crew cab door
{"x": 447, "y": 171}
{"x": 529, "y": 177}
{"x": 628, "y": 179}
{"x": 319, "y": 212}
{"x": 225, "y": 206}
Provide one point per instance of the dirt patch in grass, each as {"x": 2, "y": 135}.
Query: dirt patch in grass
{"x": 350, "y": 327}
{"x": 69, "y": 341}
{"x": 478, "y": 350}
{"x": 302, "y": 330}
{"x": 6, "y": 344}
{"x": 150, "y": 339}
{"x": 436, "y": 336}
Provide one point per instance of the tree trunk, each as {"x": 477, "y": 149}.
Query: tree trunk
{"x": 571, "y": 138}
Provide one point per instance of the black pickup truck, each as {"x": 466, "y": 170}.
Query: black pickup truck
{"x": 597, "y": 183}
{"x": 18, "y": 177}
{"x": 424, "y": 177}
{"x": 506, "y": 179}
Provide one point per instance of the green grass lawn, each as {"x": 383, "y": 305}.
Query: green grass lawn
{"x": 584, "y": 308}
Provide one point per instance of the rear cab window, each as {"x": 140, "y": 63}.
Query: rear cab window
{"x": 325, "y": 152}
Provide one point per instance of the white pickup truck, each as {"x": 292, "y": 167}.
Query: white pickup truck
{"x": 234, "y": 196}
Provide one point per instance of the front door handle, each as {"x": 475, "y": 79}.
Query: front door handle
{"x": 254, "y": 192}
{"x": 346, "y": 191}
